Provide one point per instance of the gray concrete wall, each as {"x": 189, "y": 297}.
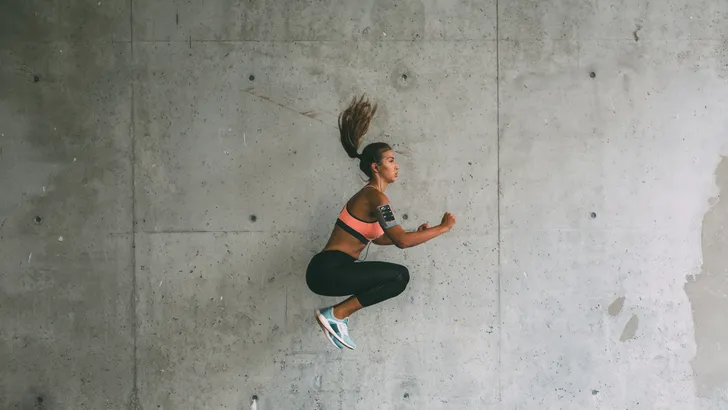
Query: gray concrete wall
{"x": 168, "y": 168}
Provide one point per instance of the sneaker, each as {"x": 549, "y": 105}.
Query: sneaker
{"x": 333, "y": 341}
{"x": 339, "y": 329}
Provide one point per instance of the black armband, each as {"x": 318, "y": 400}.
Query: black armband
{"x": 386, "y": 218}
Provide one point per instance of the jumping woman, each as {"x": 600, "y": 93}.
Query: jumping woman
{"x": 366, "y": 217}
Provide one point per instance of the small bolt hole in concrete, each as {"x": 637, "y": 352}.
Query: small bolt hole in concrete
{"x": 254, "y": 404}
{"x": 36, "y": 78}
{"x": 253, "y": 218}
{"x": 38, "y": 220}
{"x": 406, "y": 395}
{"x": 593, "y": 215}
{"x": 251, "y": 78}
{"x": 405, "y": 217}
{"x": 592, "y": 74}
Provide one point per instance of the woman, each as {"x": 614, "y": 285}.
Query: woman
{"x": 366, "y": 217}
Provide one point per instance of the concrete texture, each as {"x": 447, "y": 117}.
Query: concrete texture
{"x": 168, "y": 168}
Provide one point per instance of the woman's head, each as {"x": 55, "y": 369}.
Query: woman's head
{"x": 377, "y": 159}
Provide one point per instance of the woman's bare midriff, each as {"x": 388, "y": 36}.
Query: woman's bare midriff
{"x": 341, "y": 240}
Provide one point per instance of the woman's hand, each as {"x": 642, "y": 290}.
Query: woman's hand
{"x": 448, "y": 220}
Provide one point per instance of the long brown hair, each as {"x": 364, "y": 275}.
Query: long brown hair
{"x": 354, "y": 122}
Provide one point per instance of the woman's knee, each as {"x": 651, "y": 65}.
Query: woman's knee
{"x": 403, "y": 275}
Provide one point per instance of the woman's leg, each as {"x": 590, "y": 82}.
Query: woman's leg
{"x": 347, "y": 307}
{"x": 369, "y": 282}
{"x": 335, "y": 274}
{"x": 371, "y": 288}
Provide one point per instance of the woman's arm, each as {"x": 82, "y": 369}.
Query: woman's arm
{"x": 385, "y": 240}
{"x": 403, "y": 239}
{"x": 394, "y": 231}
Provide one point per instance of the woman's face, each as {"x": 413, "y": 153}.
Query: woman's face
{"x": 388, "y": 168}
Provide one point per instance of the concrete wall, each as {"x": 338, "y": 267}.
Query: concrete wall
{"x": 168, "y": 168}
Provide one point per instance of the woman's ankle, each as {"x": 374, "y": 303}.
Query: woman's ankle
{"x": 338, "y": 314}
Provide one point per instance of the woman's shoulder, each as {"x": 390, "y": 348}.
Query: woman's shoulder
{"x": 374, "y": 196}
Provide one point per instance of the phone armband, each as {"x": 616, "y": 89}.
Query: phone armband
{"x": 386, "y": 218}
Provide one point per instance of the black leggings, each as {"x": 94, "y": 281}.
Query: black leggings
{"x": 335, "y": 273}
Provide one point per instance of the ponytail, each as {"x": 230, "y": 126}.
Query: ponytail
{"x": 354, "y": 123}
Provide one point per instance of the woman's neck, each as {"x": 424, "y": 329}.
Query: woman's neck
{"x": 378, "y": 184}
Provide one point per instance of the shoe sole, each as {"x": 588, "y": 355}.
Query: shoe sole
{"x": 325, "y": 323}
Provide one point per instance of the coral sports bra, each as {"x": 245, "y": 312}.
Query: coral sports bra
{"x": 361, "y": 230}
